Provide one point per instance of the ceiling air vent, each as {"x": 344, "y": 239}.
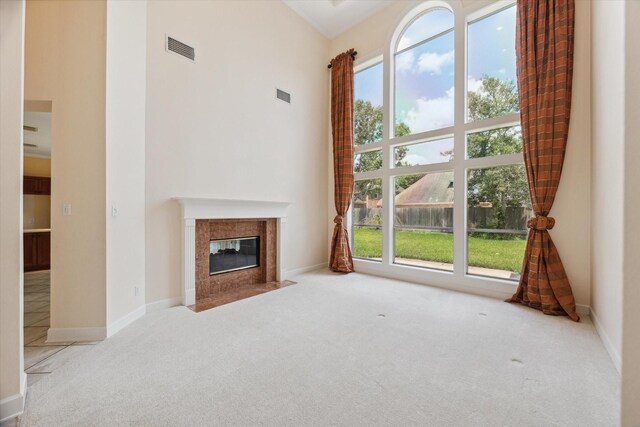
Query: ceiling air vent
{"x": 181, "y": 49}
{"x": 283, "y": 96}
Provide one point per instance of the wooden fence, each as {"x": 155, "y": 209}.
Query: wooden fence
{"x": 441, "y": 219}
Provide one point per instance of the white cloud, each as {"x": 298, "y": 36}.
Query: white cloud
{"x": 473, "y": 85}
{"x": 405, "y": 61}
{"x": 434, "y": 113}
{"x": 429, "y": 62}
{"x": 434, "y": 62}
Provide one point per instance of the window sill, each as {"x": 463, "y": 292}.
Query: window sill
{"x": 461, "y": 282}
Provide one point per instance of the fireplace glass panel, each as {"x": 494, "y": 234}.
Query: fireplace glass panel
{"x": 233, "y": 254}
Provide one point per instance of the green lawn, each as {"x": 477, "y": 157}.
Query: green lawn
{"x": 434, "y": 246}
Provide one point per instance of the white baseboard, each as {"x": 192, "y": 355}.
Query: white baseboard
{"x": 292, "y": 273}
{"x": 99, "y": 334}
{"x": 13, "y": 406}
{"x": 606, "y": 341}
{"x": 164, "y": 303}
{"x": 76, "y": 334}
{"x": 189, "y": 297}
{"x": 583, "y": 310}
{"x": 126, "y": 320}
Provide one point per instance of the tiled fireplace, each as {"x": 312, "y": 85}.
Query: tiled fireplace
{"x": 229, "y": 245}
{"x": 234, "y": 253}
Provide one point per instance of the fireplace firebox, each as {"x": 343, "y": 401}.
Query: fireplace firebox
{"x": 227, "y": 255}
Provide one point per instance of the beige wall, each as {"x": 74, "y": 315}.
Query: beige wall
{"x": 607, "y": 190}
{"x": 12, "y": 377}
{"x": 631, "y": 319}
{"x": 572, "y": 206}
{"x": 36, "y": 166}
{"x": 65, "y": 63}
{"x": 125, "y": 151}
{"x": 36, "y": 211}
{"x": 215, "y": 128}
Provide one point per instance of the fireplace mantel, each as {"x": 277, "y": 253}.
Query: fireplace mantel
{"x": 206, "y": 208}
{"x": 203, "y": 208}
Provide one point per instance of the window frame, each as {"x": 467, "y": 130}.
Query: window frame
{"x": 458, "y": 279}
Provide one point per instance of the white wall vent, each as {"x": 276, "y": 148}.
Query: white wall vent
{"x": 177, "y": 47}
{"x": 283, "y": 96}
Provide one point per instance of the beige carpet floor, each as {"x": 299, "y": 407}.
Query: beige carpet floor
{"x": 339, "y": 350}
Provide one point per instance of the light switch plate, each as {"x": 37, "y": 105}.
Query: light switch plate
{"x": 66, "y": 209}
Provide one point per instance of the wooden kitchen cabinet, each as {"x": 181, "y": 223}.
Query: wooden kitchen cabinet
{"x": 30, "y": 185}
{"x": 30, "y": 249}
{"x": 37, "y": 251}
{"x": 36, "y": 185}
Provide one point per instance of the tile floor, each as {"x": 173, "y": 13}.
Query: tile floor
{"x": 42, "y": 358}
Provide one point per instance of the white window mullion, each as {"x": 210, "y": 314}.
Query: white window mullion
{"x": 387, "y": 134}
{"x": 488, "y": 162}
{"x": 424, "y": 136}
{"x": 366, "y": 148}
{"x": 362, "y": 176}
{"x": 387, "y": 206}
{"x": 507, "y": 120}
{"x": 422, "y": 169}
{"x": 459, "y": 144}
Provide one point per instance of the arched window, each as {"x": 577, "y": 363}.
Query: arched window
{"x": 424, "y": 60}
{"x": 441, "y": 191}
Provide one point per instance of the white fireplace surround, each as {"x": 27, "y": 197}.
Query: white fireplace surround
{"x": 204, "y": 208}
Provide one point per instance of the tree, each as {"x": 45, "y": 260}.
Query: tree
{"x": 505, "y": 186}
{"x": 368, "y": 126}
{"x": 493, "y": 98}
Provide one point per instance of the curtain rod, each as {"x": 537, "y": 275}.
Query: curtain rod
{"x": 353, "y": 55}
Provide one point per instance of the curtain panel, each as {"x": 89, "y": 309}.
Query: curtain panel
{"x": 342, "y": 131}
{"x": 544, "y": 49}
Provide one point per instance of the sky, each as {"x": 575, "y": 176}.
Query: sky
{"x": 425, "y": 73}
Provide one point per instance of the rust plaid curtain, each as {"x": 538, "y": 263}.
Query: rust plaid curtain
{"x": 342, "y": 131}
{"x": 544, "y": 47}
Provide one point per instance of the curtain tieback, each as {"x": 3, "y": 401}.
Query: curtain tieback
{"x": 540, "y": 223}
{"x": 338, "y": 219}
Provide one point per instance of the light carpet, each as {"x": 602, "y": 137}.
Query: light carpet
{"x": 341, "y": 350}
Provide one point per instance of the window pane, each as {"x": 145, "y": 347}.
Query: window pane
{"x": 367, "y": 219}
{"x": 368, "y": 105}
{"x": 497, "y": 214}
{"x": 424, "y": 153}
{"x": 424, "y": 82}
{"x": 427, "y": 25}
{"x": 369, "y": 161}
{"x": 423, "y": 223}
{"x": 494, "y": 142}
{"x": 491, "y": 80}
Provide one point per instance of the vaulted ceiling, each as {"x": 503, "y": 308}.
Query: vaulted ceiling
{"x": 333, "y": 17}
